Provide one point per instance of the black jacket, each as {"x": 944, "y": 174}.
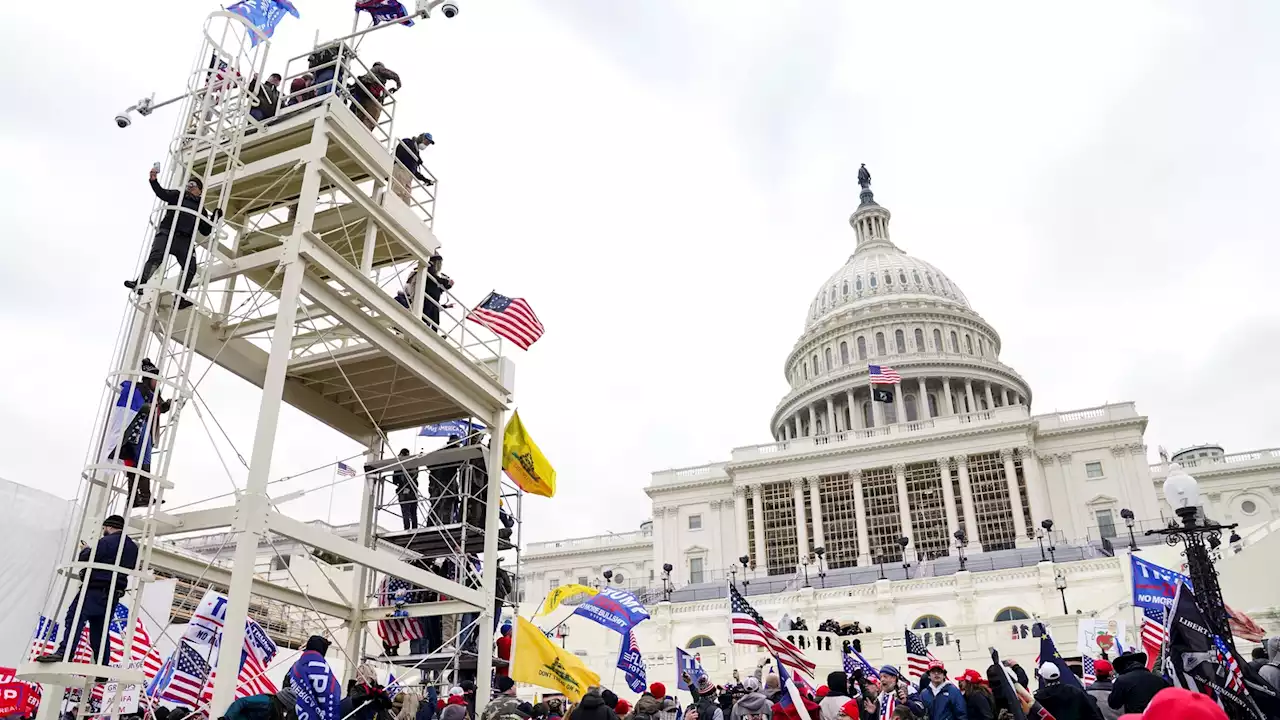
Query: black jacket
{"x": 1134, "y": 689}
{"x": 407, "y": 154}
{"x": 268, "y": 99}
{"x": 592, "y": 707}
{"x": 979, "y": 705}
{"x": 105, "y": 553}
{"x": 369, "y": 703}
{"x": 406, "y": 483}
{"x": 186, "y": 220}
{"x": 1068, "y": 702}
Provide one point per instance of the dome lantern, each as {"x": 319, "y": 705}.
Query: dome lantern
{"x": 870, "y": 221}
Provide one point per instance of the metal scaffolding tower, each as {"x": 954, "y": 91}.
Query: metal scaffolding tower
{"x": 296, "y": 294}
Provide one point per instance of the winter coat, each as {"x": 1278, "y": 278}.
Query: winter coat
{"x": 752, "y": 704}
{"x": 253, "y": 707}
{"x": 1271, "y": 671}
{"x": 592, "y": 707}
{"x": 832, "y": 706}
{"x": 1067, "y": 702}
{"x": 945, "y": 702}
{"x": 186, "y": 222}
{"x": 504, "y": 707}
{"x": 979, "y": 705}
{"x": 813, "y": 712}
{"x": 454, "y": 712}
{"x": 1100, "y": 691}
{"x": 105, "y": 552}
{"x": 368, "y": 703}
{"x": 647, "y": 707}
{"x": 1136, "y": 685}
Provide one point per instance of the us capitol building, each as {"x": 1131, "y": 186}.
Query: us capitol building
{"x": 935, "y": 511}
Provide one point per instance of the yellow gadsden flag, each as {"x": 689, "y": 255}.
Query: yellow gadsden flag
{"x": 524, "y": 462}
{"x": 538, "y": 661}
{"x": 562, "y": 593}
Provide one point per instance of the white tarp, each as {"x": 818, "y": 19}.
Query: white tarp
{"x": 32, "y": 537}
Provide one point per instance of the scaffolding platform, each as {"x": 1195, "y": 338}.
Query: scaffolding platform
{"x": 441, "y": 541}
{"x": 437, "y": 662}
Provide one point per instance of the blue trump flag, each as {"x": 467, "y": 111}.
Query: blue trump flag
{"x": 614, "y": 608}
{"x": 460, "y": 428}
{"x": 319, "y": 694}
{"x": 384, "y": 10}
{"x": 264, "y": 15}
{"x": 1154, "y": 586}
{"x": 686, "y": 663}
{"x": 1049, "y": 653}
{"x": 631, "y": 662}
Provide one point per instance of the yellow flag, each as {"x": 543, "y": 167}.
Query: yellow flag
{"x": 538, "y": 661}
{"x": 524, "y": 462}
{"x": 562, "y": 593}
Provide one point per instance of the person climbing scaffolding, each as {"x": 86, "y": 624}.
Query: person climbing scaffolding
{"x": 186, "y": 206}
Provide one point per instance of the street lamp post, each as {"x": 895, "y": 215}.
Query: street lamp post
{"x": 822, "y": 571}
{"x": 904, "y": 541}
{"x": 1040, "y": 540}
{"x": 745, "y": 560}
{"x": 608, "y": 576}
{"x": 880, "y": 562}
{"x": 1127, "y": 514}
{"x": 961, "y": 541}
{"x": 666, "y": 582}
{"x": 733, "y": 574}
{"x": 1047, "y": 524}
{"x": 804, "y": 562}
{"x": 1060, "y": 582}
{"x": 1183, "y": 493}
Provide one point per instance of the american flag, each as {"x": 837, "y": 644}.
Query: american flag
{"x": 888, "y": 703}
{"x": 854, "y": 659}
{"x": 83, "y": 653}
{"x": 192, "y": 681}
{"x": 393, "y": 686}
{"x": 1227, "y": 659}
{"x": 746, "y": 627}
{"x": 883, "y": 375}
{"x": 395, "y": 631}
{"x": 1153, "y": 634}
{"x": 255, "y": 657}
{"x": 142, "y": 649}
{"x": 345, "y": 470}
{"x": 512, "y": 318}
{"x": 45, "y": 639}
{"x": 1087, "y": 672}
{"x": 918, "y": 656}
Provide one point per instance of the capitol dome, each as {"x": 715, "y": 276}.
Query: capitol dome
{"x": 885, "y": 307}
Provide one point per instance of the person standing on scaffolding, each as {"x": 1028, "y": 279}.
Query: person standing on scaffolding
{"x": 437, "y": 283}
{"x": 138, "y": 436}
{"x": 180, "y": 221}
{"x": 369, "y": 90}
{"x": 406, "y": 483}
{"x": 409, "y": 165}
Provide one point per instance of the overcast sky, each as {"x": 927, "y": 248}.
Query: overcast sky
{"x": 668, "y": 183}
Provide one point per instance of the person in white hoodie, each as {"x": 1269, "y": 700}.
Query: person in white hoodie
{"x": 832, "y": 705}
{"x": 754, "y": 703}
{"x": 1271, "y": 671}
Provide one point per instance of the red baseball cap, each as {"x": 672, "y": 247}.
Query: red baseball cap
{"x": 1103, "y": 667}
{"x": 936, "y": 665}
{"x": 1180, "y": 704}
{"x": 822, "y": 691}
{"x": 972, "y": 676}
{"x": 850, "y": 709}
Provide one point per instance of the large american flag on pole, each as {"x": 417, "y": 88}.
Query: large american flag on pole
{"x": 141, "y": 648}
{"x": 747, "y": 627}
{"x": 883, "y": 375}
{"x": 192, "y": 681}
{"x": 512, "y": 318}
{"x": 395, "y": 631}
{"x": 1153, "y": 633}
{"x": 918, "y": 656}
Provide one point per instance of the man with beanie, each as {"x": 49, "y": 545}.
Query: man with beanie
{"x": 704, "y": 697}
{"x": 649, "y": 706}
{"x": 100, "y": 592}
{"x": 317, "y": 643}
{"x": 837, "y": 695}
{"x": 183, "y": 217}
{"x": 1134, "y": 685}
{"x": 941, "y": 697}
{"x": 753, "y": 702}
{"x": 610, "y": 698}
{"x": 1101, "y": 688}
{"x": 892, "y": 682}
{"x": 505, "y": 705}
{"x": 504, "y": 649}
{"x": 1064, "y": 701}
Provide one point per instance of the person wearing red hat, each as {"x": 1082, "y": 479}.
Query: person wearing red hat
{"x": 977, "y": 696}
{"x": 822, "y": 691}
{"x": 622, "y": 708}
{"x": 1179, "y": 704}
{"x": 942, "y": 699}
{"x": 1102, "y": 687}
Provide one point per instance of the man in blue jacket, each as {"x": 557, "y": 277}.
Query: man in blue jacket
{"x": 941, "y": 697}
{"x": 101, "y": 591}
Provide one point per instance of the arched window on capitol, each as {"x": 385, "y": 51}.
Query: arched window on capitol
{"x": 900, "y": 341}
{"x": 880, "y": 351}
{"x": 862, "y": 348}
{"x": 699, "y": 641}
{"x": 844, "y": 353}
{"x": 937, "y": 340}
{"x": 827, "y": 352}
{"x": 919, "y": 338}
{"x": 1010, "y": 614}
{"x": 924, "y": 622}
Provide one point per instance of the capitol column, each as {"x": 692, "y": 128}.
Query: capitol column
{"x": 813, "y": 422}
{"x": 991, "y": 401}
{"x": 855, "y": 413}
{"x": 966, "y": 499}
{"x": 757, "y": 513}
{"x": 815, "y": 510}
{"x": 1035, "y": 485}
{"x": 948, "y": 497}
{"x": 922, "y": 402}
{"x": 904, "y": 502}
{"x": 968, "y": 393}
{"x": 946, "y": 396}
{"x": 831, "y": 415}
{"x": 716, "y": 530}
{"x": 860, "y": 509}
{"x": 899, "y": 402}
{"x": 659, "y": 535}
{"x": 802, "y": 528}
{"x": 1015, "y": 497}
{"x": 740, "y": 521}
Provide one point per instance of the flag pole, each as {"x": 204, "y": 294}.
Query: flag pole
{"x": 333, "y": 484}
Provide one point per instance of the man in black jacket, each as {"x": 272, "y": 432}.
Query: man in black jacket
{"x": 101, "y": 592}
{"x": 267, "y": 96}
{"x": 409, "y": 163}
{"x": 1064, "y": 701}
{"x": 1136, "y": 685}
{"x": 406, "y": 482}
{"x": 182, "y": 220}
